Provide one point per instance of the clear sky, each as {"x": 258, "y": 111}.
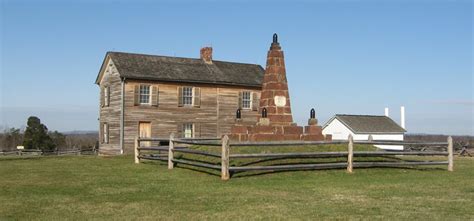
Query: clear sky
{"x": 352, "y": 57}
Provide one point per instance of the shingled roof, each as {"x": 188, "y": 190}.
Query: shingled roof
{"x": 368, "y": 123}
{"x": 191, "y": 70}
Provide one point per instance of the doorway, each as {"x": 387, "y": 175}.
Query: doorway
{"x": 144, "y": 131}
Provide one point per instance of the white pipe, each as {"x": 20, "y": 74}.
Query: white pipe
{"x": 402, "y": 117}
{"x": 386, "y": 111}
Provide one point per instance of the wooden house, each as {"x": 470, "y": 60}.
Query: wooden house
{"x": 153, "y": 96}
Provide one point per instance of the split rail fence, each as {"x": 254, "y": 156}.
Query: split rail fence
{"x": 33, "y": 152}
{"x": 180, "y": 145}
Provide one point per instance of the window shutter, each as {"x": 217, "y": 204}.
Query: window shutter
{"x": 101, "y": 133}
{"x": 197, "y": 130}
{"x": 102, "y": 97}
{"x": 107, "y": 103}
{"x": 255, "y": 101}
{"x": 136, "y": 95}
{"x": 197, "y": 97}
{"x": 108, "y": 134}
{"x": 180, "y": 97}
{"x": 180, "y": 130}
{"x": 240, "y": 99}
{"x": 155, "y": 96}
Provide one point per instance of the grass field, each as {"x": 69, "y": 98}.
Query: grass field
{"x": 91, "y": 187}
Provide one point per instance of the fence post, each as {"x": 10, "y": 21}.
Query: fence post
{"x": 225, "y": 158}
{"x": 350, "y": 153}
{"x": 450, "y": 154}
{"x": 137, "y": 152}
{"x": 170, "y": 152}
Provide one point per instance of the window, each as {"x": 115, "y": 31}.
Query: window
{"x": 246, "y": 100}
{"x": 106, "y": 96}
{"x": 144, "y": 94}
{"x": 105, "y": 133}
{"x": 188, "y": 131}
{"x": 187, "y": 96}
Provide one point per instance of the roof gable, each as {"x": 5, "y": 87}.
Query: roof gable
{"x": 368, "y": 123}
{"x": 175, "y": 69}
{"x": 106, "y": 64}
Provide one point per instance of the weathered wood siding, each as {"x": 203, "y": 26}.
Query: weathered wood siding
{"x": 213, "y": 118}
{"x": 110, "y": 114}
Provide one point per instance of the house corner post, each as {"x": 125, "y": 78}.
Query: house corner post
{"x": 137, "y": 152}
{"x": 122, "y": 114}
{"x": 450, "y": 154}
{"x": 350, "y": 153}
{"x": 225, "y": 175}
{"x": 170, "y": 152}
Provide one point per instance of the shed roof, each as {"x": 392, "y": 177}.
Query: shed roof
{"x": 368, "y": 123}
{"x": 176, "y": 69}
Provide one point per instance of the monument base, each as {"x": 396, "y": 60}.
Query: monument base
{"x": 262, "y": 132}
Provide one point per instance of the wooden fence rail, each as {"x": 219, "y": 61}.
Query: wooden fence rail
{"x": 167, "y": 154}
{"x": 337, "y": 154}
{"x": 34, "y": 152}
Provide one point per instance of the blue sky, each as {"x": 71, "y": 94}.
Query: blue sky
{"x": 353, "y": 57}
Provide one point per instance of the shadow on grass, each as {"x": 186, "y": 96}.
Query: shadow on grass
{"x": 414, "y": 168}
{"x": 16, "y": 158}
{"x": 244, "y": 174}
{"x": 198, "y": 169}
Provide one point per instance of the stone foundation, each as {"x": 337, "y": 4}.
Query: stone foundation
{"x": 257, "y": 133}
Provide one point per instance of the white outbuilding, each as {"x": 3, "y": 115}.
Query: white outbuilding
{"x": 363, "y": 126}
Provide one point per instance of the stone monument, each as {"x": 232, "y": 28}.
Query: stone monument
{"x": 275, "y": 122}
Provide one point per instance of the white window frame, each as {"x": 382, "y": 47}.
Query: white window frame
{"x": 105, "y": 134}
{"x": 144, "y": 86}
{"x": 188, "y": 130}
{"x": 106, "y": 96}
{"x": 249, "y": 100}
{"x": 188, "y": 95}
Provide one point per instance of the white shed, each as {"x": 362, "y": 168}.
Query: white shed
{"x": 362, "y": 126}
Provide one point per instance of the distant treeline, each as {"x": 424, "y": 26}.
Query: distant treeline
{"x": 458, "y": 140}
{"x": 37, "y": 137}
{"x": 11, "y": 138}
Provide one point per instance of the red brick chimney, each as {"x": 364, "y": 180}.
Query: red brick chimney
{"x": 206, "y": 54}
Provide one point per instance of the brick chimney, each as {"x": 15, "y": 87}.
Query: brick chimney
{"x": 206, "y": 54}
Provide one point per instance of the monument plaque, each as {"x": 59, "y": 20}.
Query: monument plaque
{"x": 280, "y": 101}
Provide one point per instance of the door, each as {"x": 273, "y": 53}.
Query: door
{"x": 144, "y": 131}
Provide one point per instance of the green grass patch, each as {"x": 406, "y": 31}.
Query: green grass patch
{"x": 114, "y": 188}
